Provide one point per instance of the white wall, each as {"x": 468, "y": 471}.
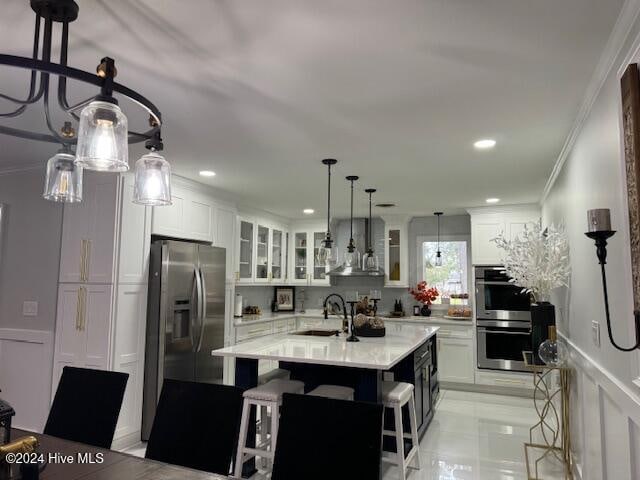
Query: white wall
{"x": 606, "y": 401}
{"x": 30, "y": 254}
{"x": 29, "y": 262}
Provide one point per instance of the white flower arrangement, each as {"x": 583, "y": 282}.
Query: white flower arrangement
{"x": 537, "y": 260}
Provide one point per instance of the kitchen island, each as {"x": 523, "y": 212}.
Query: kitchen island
{"x": 406, "y": 353}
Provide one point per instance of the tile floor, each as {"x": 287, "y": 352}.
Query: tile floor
{"x": 472, "y": 436}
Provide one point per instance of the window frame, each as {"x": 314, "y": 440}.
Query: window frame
{"x": 445, "y": 238}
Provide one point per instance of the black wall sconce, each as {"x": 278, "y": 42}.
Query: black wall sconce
{"x": 600, "y": 231}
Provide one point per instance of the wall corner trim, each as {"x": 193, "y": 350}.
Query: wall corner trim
{"x": 605, "y": 65}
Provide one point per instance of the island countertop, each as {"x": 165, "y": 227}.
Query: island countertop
{"x": 373, "y": 353}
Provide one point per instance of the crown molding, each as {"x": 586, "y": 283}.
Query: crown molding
{"x": 606, "y": 64}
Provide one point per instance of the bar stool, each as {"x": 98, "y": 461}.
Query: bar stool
{"x": 396, "y": 395}
{"x": 265, "y": 420}
{"x": 337, "y": 392}
{"x": 268, "y": 395}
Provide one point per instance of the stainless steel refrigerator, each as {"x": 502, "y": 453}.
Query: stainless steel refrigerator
{"x": 185, "y": 318}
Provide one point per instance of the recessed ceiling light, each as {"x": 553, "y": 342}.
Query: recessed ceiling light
{"x": 484, "y": 144}
{"x": 207, "y": 173}
{"x": 492, "y": 200}
{"x": 308, "y": 211}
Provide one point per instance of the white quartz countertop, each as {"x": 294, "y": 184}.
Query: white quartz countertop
{"x": 375, "y": 353}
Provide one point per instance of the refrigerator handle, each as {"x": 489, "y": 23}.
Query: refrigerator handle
{"x": 195, "y": 306}
{"x": 203, "y": 308}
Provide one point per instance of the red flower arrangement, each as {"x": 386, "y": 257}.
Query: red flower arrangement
{"x": 423, "y": 294}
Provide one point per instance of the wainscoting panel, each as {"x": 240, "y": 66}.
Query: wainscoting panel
{"x": 605, "y": 422}
{"x": 26, "y": 358}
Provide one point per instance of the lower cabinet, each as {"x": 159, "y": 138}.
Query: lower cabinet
{"x": 83, "y": 328}
{"x": 456, "y": 360}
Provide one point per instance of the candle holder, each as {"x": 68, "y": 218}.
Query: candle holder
{"x": 352, "y": 336}
{"x": 600, "y": 237}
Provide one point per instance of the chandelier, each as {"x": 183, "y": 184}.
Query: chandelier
{"x": 102, "y": 136}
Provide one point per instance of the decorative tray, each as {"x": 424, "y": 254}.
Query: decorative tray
{"x": 366, "y": 331}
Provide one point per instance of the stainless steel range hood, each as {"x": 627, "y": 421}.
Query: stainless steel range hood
{"x": 360, "y": 229}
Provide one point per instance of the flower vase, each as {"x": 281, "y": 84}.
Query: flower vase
{"x": 543, "y": 316}
{"x": 425, "y": 311}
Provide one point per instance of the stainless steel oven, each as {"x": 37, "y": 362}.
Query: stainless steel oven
{"x": 499, "y": 299}
{"x": 501, "y": 343}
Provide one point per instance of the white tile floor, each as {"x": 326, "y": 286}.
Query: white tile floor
{"x": 472, "y": 436}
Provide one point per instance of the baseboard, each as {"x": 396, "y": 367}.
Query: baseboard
{"x": 491, "y": 389}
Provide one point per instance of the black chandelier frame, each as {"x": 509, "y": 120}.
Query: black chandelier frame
{"x": 65, "y": 12}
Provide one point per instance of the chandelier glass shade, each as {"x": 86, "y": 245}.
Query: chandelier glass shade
{"x": 326, "y": 254}
{"x": 63, "y": 181}
{"x": 152, "y": 184}
{"x": 102, "y": 138}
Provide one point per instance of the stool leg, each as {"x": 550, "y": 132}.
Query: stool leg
{"x": 242, "y": 441}
{"x": 397, "y": 413}
{"x": 275, "y": 417}
{"x": 414, "y": 429}
{"x": 264, "y": 427}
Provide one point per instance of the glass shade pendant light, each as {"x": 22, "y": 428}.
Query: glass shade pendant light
{"x": 438, "y": 260}
{"x": 152, "y": 176}
{"x": 63, "y": 182}
{"x": 370, "y": 260}
{"x": 102, "y": 138}
{"x": 326, "y": 254}
{"x": 352, "y": 255}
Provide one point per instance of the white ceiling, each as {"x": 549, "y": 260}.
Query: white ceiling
{"x": 259, "y": 91}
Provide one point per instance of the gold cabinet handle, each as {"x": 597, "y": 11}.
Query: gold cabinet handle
{"x": 83, "y": 314}
{"x": 78, "y": 308}
{"x": 87, "y": 261}
{"x": 83, "y": 255}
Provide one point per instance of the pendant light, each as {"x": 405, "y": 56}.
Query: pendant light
{"x": 63, "y": 182}
{"x": 102, "y": 128}
{"x": 152, "y": 176}
{"x": 326, "y": 253}
{"x": 370, "y": 259}
{"x": 352, "y": 255}
{"x": 438, "y": 261}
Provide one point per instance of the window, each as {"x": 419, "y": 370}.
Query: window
{"x": 452, "y": 277}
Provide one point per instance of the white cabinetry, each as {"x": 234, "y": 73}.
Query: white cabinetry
{"x": 396, "y": 250}
{"x": 487, "y": 223}
{"x": 102, "y": 294}
{"x": 191, "y": 216}
{"x": 262, "y": 251}
{"x": 305, "y": 242}
{"x": 455, "y": 354}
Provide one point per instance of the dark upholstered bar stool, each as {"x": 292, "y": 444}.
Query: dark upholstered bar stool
{"x": 86, "y": 406}
{"x": 323, "y": 438}
{"x": 196, "y": 425}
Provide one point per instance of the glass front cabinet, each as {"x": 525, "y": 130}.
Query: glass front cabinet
{"x": 262, "y": 252}
{"x": 304, "y": 266}
{"x": 396, "y": 253}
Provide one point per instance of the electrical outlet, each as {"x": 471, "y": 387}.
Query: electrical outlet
{"x": 595, "y": 333}
{"x": 30, "y": 309}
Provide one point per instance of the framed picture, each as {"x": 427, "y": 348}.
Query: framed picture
{"x": 285, "y": 299}
{"x": 630, "y": 88}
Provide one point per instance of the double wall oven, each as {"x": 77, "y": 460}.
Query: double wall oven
{"x": 503, "y": 320}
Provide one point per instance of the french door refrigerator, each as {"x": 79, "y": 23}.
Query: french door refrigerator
{"x": 185, "y": 318}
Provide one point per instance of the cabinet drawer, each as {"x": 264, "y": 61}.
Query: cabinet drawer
{"x": 245, "y": 332}
{"x": 280, "y": 326}
{"x": 508, "y": 380}
{"x": 455, "y": 331}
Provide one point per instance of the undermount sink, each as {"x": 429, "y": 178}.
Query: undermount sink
{"x": 317, "y": 333}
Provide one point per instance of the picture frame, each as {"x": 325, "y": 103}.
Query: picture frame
{"x": 285, "y": 299}
{"x": 630, "y": 97}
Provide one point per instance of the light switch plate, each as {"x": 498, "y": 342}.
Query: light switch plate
{"x": 30, "y": 309}
{"x": 595, "y": 333}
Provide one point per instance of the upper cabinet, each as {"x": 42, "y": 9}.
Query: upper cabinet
{"x": 262, "y": 252}
{"x": 89, "y": 232}
{"x": 487, "y": 223}
{"x": 396, "y": 251}
{"x": 305, "y": 241}
{"x": 191, "y": 216}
